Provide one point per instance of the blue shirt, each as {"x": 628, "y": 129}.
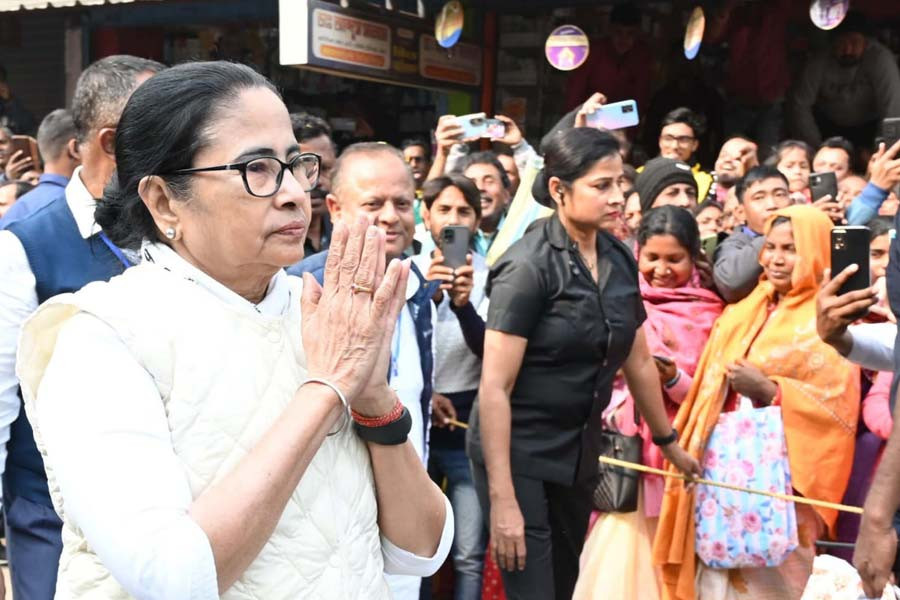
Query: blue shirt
{"x": 49, "y": 187}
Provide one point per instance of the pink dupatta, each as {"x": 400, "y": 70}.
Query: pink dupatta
{"x": 678, "y": 324}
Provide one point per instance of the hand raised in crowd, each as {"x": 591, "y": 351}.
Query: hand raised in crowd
{"x": 746, "y": 379}
{"x": 456, "y": 282}
{"x": 348, "y": 323}
{"x": 885, "y": 166}
{"x": 448, "y": 133}
{"x": 443, "y": 413}
{"x": 835, "y": 313}
{"x": 508, "y": 534}
{"x": 513, "y": 135}
{"x": 590, "y": 105}
{"x": 18, "y": 164}
{"x": 832, "y": 208}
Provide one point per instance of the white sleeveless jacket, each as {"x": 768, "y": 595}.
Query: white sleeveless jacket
{"x": 224, "y": 376}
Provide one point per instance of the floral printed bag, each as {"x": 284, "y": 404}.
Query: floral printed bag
{"x": 738, "y": 529}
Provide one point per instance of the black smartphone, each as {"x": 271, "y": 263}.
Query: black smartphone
{"x": 890, "y": 131}
{"x": 850, "y": 246}
{"x": 823, "y": 184}
{"x": 455, "y": 240}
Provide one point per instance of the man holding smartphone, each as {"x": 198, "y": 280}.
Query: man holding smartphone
{"x": 452, "y": 205}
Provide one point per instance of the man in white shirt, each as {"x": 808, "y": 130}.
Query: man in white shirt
{"x": 57, "y": 249}
{"x": 372, "y": 180}
{"x": 454, "y": 200}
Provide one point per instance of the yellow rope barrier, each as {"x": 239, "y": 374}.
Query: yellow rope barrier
{"x": 798, "y": 499}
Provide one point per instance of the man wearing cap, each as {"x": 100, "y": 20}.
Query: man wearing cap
{"x": 665, "y": 181}
{"x": 848, "y": 89}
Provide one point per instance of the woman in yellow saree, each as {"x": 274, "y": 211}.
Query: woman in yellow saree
{"x": 766, "y": 348}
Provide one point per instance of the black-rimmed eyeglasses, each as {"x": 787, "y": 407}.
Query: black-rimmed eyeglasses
{"x": 263, "y": 175}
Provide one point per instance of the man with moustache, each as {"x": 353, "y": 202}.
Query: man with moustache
{"x": 493, "y": 183}
{"x": 372, "y": 181}
{"x": 57, "y": 249}
{"x": 314, "y": 135}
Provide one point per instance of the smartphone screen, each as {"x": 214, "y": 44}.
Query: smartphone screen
{"x": 494, "y": 129}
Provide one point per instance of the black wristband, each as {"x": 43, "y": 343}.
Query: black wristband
{"x": 392, "y": 434}
{"x": 666, "y": 440}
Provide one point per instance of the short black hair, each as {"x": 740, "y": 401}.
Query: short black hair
{"x": 754, "y": 175}
{"x": 416, "y": 141}
{"x": 708, "y": 203}
{"x": 103, "y": 89}
{"x": 486, "y": 157}
{"x": 695, "y": 121}
{"x": 22, "y": 187}
{"x": 880, "y": 226}
{"x": 163, "y": 127}
{"x": 674, "y": 221}
{"x": 435, "y": 187}
{"x": 54, "y": 134}
{"x": 307, "y": 126}
{"x": 840, "y": 143}
{"x": 569, "y": 154}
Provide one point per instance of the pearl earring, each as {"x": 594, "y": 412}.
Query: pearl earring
{"x": 170, "y": 233}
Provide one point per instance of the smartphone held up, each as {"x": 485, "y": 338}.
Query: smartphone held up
{"x": 850, "y": 246}
{"x": 617, "y": 115}
{"x": 477, "y": 125}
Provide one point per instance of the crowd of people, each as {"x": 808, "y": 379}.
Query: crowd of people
{"x": 238, "y": 361}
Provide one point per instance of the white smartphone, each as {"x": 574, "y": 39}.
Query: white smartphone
{"x": 477, "y": 125}
{"x": 617, "y": 115}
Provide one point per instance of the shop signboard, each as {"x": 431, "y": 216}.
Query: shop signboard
{"x": 391, "y": 48}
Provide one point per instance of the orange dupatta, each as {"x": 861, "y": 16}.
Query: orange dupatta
{"x": 819, "y": 392}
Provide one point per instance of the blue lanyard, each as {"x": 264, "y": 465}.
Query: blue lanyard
{"x": 115, "y": 250}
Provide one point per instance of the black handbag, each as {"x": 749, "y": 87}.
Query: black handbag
{"x": 617, "y": 488}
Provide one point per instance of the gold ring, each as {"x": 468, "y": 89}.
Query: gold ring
{"x": 358, "y": 288}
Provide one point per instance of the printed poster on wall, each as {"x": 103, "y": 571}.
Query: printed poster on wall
{"x": 350, "y": 41}
{"x": 394, "y": 48}
{"x": 462, "y": 64}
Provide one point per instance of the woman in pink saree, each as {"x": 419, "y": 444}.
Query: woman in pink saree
{"x": 680, "y": 315}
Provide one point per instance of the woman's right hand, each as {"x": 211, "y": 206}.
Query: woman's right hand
{"x": 507, "y": 534}
{"x": 345, "y": 332}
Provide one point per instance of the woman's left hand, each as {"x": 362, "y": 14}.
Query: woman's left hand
{"x": 681, "y": 460}
{"x": 746, "y": 379}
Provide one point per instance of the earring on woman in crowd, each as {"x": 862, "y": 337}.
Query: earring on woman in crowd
{"x": 170, "y": 233}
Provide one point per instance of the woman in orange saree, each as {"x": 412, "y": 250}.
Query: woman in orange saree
{"x": 766, "y": 347}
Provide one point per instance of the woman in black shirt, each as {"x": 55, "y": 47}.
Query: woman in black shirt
{"x": 565, "y": 315}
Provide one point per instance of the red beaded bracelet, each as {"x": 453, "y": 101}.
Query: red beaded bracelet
{"x": 393, "y": 415}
